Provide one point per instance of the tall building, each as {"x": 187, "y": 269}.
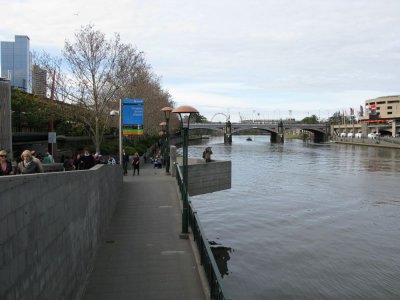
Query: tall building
{"x": 39, "y": 76}
{"x": 16, "y": 63}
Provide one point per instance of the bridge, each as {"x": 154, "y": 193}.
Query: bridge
{"x": 276, "y": 129}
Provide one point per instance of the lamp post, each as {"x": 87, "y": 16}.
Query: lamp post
{"x": 167, "y": 111}
{"x": 114, "y": 113}
{"x": 183, "y": 111}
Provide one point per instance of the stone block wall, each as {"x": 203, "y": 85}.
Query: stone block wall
{"x": 209, "y": 177}
{"x": 50, "y": 228}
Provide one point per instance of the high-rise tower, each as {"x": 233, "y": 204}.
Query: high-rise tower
{"x": 16, "y": 62}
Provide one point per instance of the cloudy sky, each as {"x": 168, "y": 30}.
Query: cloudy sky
{"x": 257, "y": 58}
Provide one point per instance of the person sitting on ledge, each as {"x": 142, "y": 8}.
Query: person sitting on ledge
{"x": 207, "y": 154}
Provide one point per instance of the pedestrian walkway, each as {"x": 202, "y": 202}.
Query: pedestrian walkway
{"x": 142, "y": 256}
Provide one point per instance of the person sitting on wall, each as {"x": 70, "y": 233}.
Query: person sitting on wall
{"x": 207, "y": 154}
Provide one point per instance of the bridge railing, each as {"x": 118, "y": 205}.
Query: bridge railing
{"x": 206, "y": 256}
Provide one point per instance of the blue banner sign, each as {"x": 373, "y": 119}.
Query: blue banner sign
{"x": 132, "y": 116}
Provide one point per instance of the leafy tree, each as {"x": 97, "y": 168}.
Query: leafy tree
{"x": 310, "y": 120}
{"x": 95, "y": 74}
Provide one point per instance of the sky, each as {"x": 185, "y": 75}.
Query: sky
{"x": 250, "y": 59}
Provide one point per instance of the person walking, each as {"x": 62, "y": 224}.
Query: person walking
{"x": 5, "y": 164}
{"x": 125, "y": 160}
{"x": 69, "y": 164}
{"x": 136, "y": 163}
{"x": 86, "y": 161}
{"x": 37, "y": 160}
{"x": 28, "y": 165}
{"x": 48, "y": 158}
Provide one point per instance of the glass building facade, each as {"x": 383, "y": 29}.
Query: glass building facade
{"x": 16, "y": 62}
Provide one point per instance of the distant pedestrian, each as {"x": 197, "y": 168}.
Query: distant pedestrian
{"x": 125, "y": 160}
{"x": 136, "y": 163}
{"x": 37, "y": 160}
{"x": 86, "y": 161}
{"x": 48, "y": 158}
{"x": 111, "y": 160}
{"x": 69, "y": 164}
{"x": 28, "y": 165}
{"x": 5, "y": 164}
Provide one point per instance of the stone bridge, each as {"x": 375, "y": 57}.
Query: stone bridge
{"x": 276, "y": 129}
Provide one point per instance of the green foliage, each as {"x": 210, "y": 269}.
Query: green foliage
{"x": 310, "y": 120}
{"x": 198, "y": 118}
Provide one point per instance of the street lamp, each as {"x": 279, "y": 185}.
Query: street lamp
{"x": 183, "y": 111}
{"x": 114, "y": 113}
{"x": 167, "y": 111}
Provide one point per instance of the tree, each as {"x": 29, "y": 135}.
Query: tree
{"x": 96, "y": 68}
{"x": 97, "y": 73}
{"x": 310, "y": 120}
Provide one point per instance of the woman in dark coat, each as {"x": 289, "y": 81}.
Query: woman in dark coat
{"x": 5, "y": 164}
{"x": 136, "y": 163}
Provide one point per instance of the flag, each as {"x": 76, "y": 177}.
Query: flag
{"x": 351, "y": 111}
{"x": 361, "y": 111}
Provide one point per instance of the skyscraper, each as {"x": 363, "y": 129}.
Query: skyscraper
{"x": 16, "y": 62}
{"x": 39, "y": 81}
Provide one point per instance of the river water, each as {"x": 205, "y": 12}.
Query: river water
{"x": 305, "y": 221}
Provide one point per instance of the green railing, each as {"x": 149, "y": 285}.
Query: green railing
{"x": 206, "y": 256}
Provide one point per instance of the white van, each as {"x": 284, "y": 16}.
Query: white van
{"x": 350, "y": 135}
{"x": 371, "y": 135}
{"x": 343, "y": 134}
{"x": 358, "y": 135}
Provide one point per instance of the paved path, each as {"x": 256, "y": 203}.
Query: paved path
{"x": 142, "y": 256}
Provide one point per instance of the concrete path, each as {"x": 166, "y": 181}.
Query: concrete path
{"x": 142, "y": 256}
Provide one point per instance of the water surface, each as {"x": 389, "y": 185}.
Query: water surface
{"x": 306, "y": 221}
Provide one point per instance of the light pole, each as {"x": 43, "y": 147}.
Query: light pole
{"x": 183, "y": 111}
{"x": 167, "y": 111}
{"x": 114, "y": 113}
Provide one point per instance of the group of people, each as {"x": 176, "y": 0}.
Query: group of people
{"x": 135, "y": 162}
{"x": 28, "y": 163}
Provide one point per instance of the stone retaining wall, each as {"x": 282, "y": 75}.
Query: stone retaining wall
{"x": 50, "y": 228}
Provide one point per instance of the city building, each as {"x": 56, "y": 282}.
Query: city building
{"x": 39, "y": 86}
{"x": 382, "y": 108}
{"x": 16, "y": 63}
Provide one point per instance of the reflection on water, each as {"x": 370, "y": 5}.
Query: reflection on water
{"x": 221, "y": 255}
{"x": 306, "y": 221}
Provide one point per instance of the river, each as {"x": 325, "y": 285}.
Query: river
{"x": 305, "y": 221}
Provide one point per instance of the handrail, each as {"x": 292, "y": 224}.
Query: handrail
{"x": 206, "y": 256}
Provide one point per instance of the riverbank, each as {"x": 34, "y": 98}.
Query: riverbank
{"x": 367, "y": 142}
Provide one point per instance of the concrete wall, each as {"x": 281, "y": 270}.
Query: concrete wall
{"x": 209, "y": 177}
{"x": 50, "y": 227}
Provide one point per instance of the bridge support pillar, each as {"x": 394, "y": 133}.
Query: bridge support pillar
{"x": 278, "y": 137}
{"x": 228, "y": 133}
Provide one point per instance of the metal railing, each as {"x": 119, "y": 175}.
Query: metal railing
{"x": 206, "y": 256}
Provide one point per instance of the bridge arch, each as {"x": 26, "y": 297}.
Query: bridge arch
{"x": 227, "y": 117}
